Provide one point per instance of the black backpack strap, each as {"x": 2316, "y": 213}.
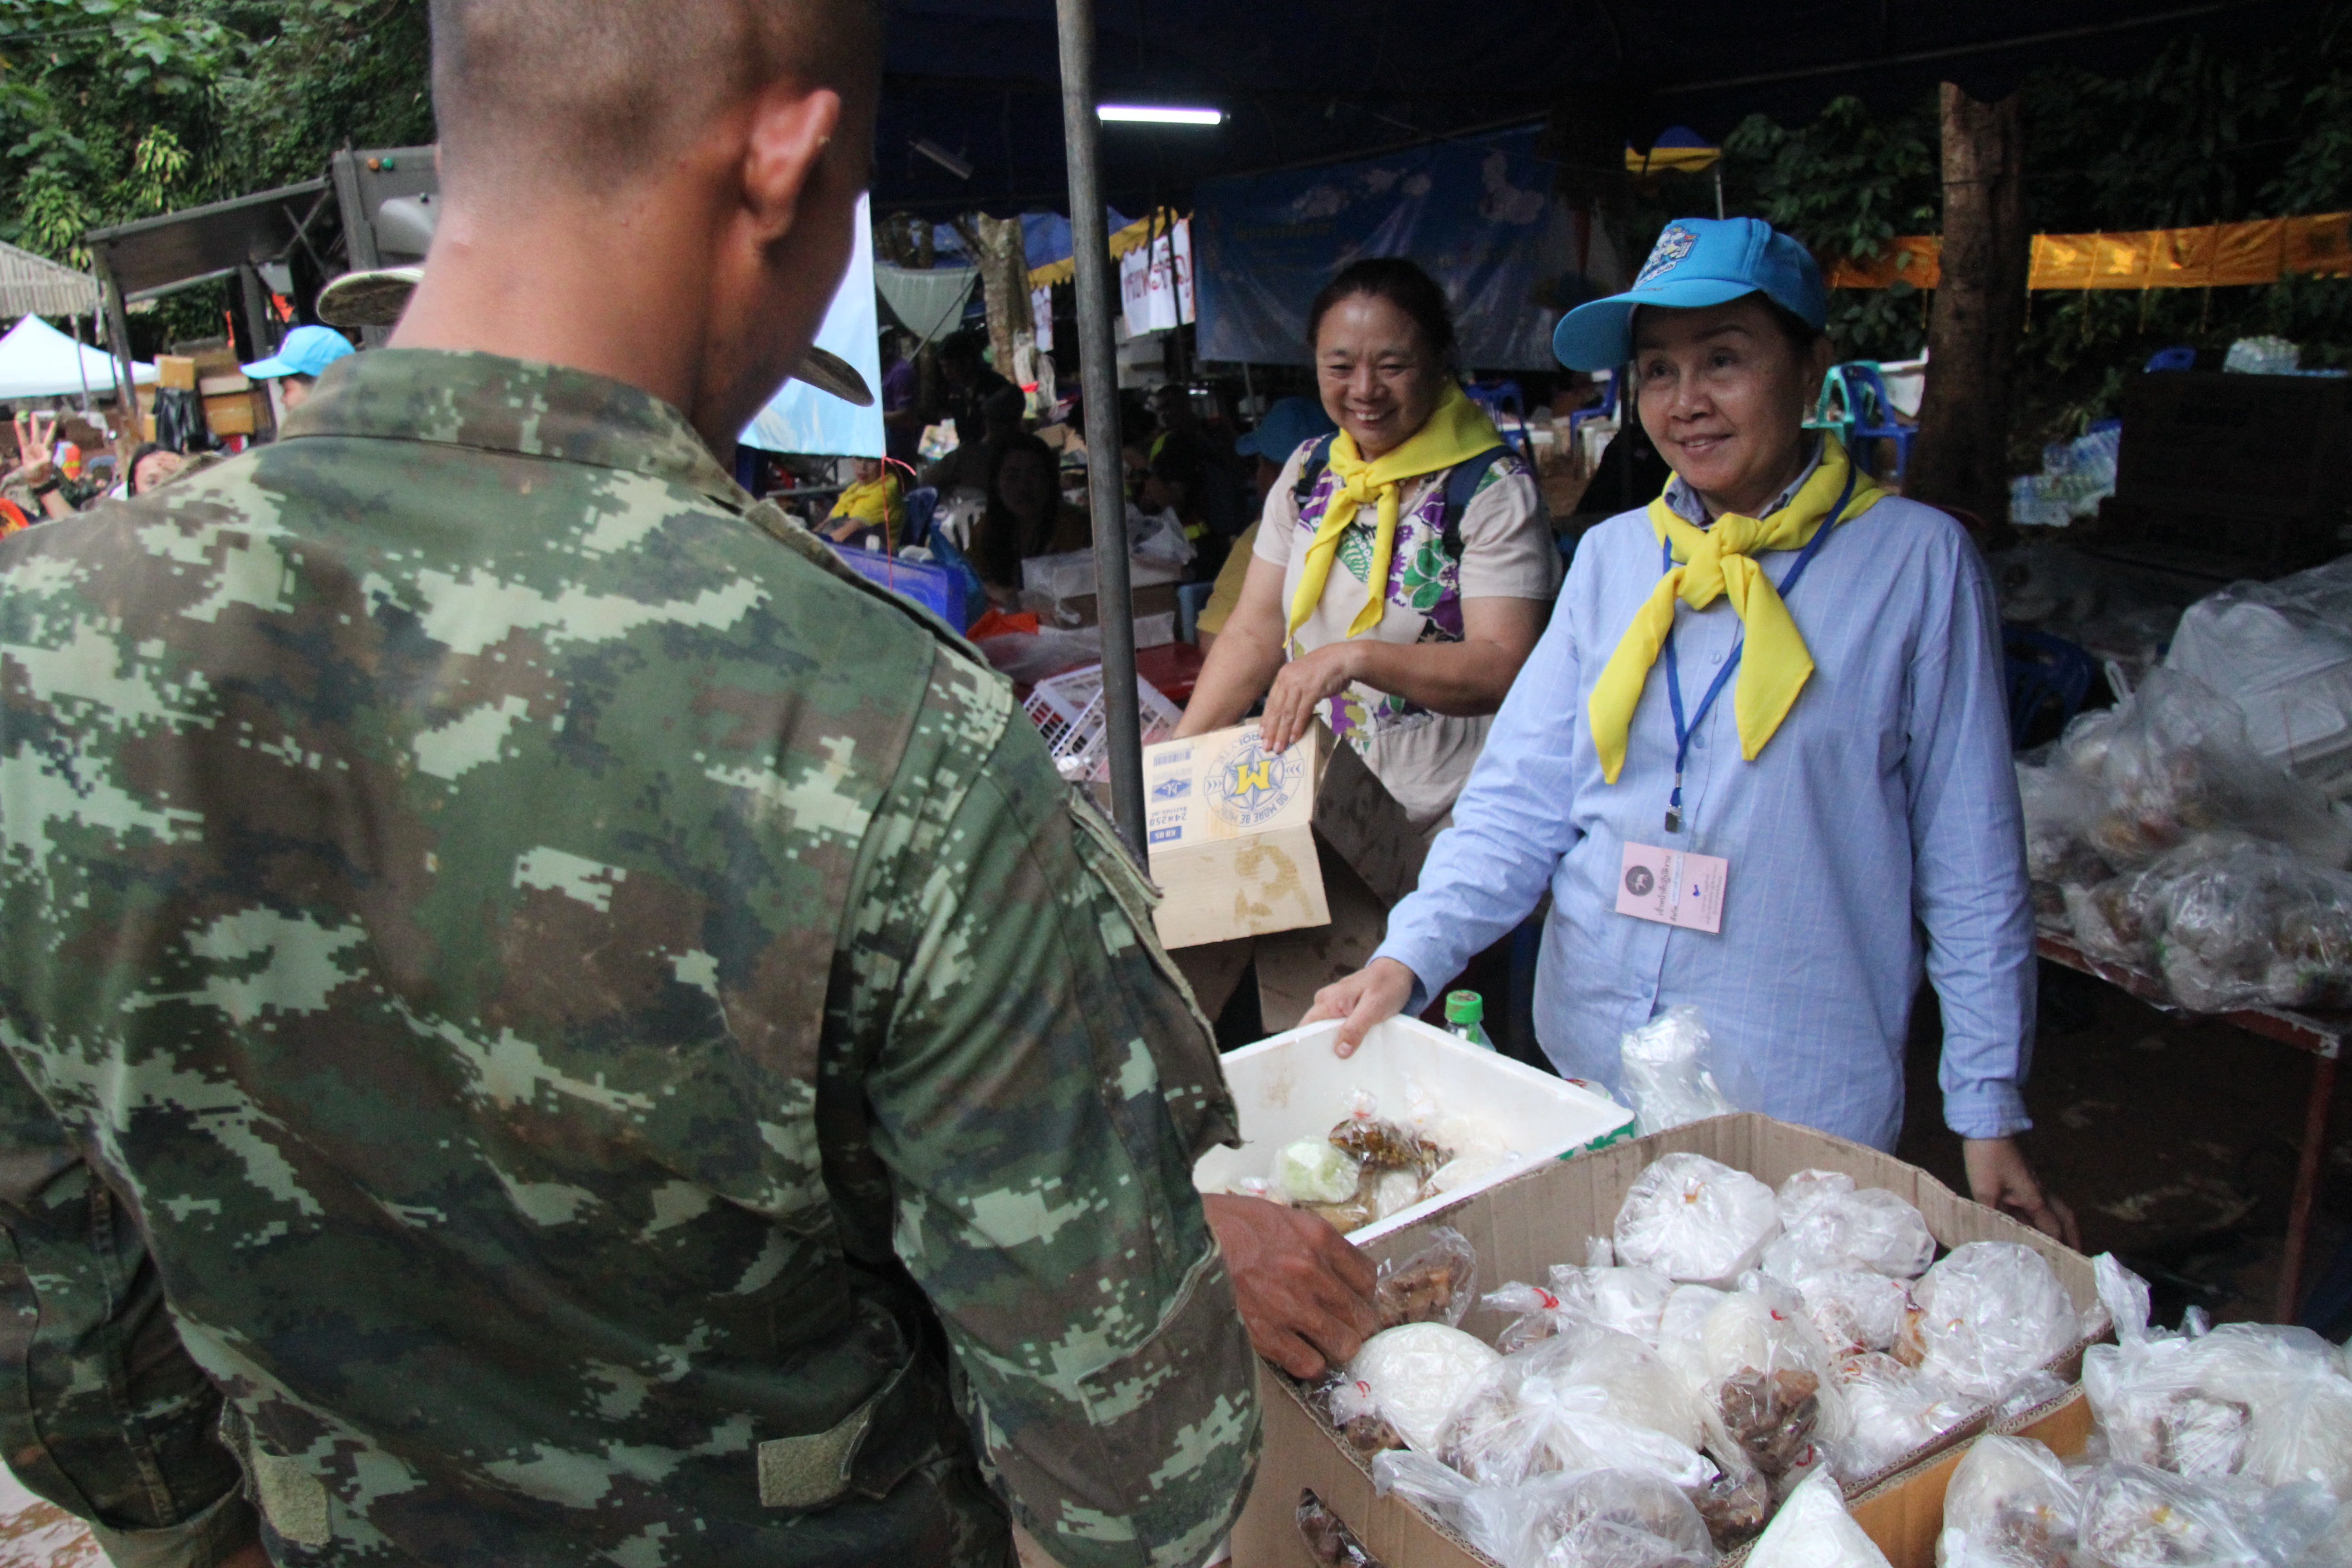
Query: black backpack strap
{"x": 1318, "y": 460}
{"x": 1462, "y": 482}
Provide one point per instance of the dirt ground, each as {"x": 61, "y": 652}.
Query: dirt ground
{"x": 2173, "y": 1137}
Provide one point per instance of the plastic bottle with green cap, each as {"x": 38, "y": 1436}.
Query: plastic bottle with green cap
{"x": 1466, "y": 1012}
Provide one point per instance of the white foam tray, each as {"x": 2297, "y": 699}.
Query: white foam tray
{"x": 1293, "y": 1087}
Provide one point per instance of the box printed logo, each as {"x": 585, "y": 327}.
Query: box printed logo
{"x": 1249, "y": 783}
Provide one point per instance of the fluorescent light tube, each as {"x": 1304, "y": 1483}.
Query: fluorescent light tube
{"x": 1158, "y": 114}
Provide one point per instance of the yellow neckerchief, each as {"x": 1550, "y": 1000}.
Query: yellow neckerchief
{"x": 1457, "y": 429}
{"x": 1717, "y": 562}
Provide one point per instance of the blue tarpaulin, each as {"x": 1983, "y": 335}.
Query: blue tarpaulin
{"x": 1045, "y": 237}
{"x": 1478, "y": 213}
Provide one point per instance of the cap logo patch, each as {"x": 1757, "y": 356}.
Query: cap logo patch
{"x": 1673, "y": 246}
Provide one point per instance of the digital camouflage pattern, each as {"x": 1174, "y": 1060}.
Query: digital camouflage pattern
{"x": 603, "y": 1017}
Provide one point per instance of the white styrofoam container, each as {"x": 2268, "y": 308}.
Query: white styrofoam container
{"x": 1293, "y": 1087}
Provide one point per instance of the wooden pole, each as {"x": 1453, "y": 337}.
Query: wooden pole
{"x": 1980, "y": 311}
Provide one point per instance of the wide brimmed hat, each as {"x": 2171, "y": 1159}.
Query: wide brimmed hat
{"x": 376, "y": 298}
{"x": 1698, "y": 262}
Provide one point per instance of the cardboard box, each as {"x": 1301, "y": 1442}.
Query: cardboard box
{"x": 175, "y": 370}
{"x": 1152, "y": 599}
{"x": 1905, "y": 1513}
{"x": 1237, "y": 834}
{"x": 1523, "y": 1228}
{"x": 231, "y": 415}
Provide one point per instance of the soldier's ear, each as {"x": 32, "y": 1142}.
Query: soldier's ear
{"x": 789, "y": 135}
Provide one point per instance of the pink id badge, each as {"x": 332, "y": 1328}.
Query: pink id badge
{"x": 1673, "y": 888}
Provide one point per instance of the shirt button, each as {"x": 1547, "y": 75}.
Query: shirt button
{"x": 1718, "y": 657}
{"x": 1698, "y": 743}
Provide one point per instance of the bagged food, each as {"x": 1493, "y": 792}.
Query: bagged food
{"x": 1347, "y": 1405}
{"x": 1435, "y": 1285}
{"x": 1590, "y": 1519}
{"x": 2133, "y": 1517}
{"x": 1696, "y": 1220}
{"x": 1663, "y": 1069}
{"x": 1824, "y": 1229}
{"x": 1415, "y": 1374}
{"x": 1813, "y": 1529}
{"x": 1768, "y": 1382}
{"x": 2010, "y": 1505}
{"x": 1313, "y": 1170}
{"x": 1895, "y": 1410}
{"x": 1991, "y": 1313}
{"x": 2258, "y": 926}
{"x": 2176, "y": 761}
{"x": 1854, "y": 1310}
{"x": 1629, "y": 1301}
{"x": 1328, "y": 1540}
{"x": 2059, "y": 805}
{"x": 1586, "y": 1398}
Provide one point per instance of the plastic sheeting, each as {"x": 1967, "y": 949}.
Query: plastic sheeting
{"x": 1478, "y": 214}
{"x": 799, "y": 418}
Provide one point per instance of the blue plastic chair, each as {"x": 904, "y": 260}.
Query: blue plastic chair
{"x": 2180, "y": 358}
{"x": 1494, "y": 396}
{"x": 1854, "y": 403}
{"x": 2043, "y": 671}
{"x": 921, "y": 502}
{"x": 1605, "y": 409}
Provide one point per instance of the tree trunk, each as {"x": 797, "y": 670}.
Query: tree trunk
{"x": 1980, "y": 311}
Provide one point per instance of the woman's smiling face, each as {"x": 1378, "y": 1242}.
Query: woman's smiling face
{"x": 1723, "y": 395}
{"x": 1379, "y": 378}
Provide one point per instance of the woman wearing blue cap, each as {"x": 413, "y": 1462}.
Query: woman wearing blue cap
{"x": 295, "y": 367}
{"x": 1759, "y": 758}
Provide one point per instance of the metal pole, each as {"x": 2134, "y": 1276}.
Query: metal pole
{"x": 1099, "y": 377}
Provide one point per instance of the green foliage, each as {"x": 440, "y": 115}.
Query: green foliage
{"x": 2201, "y": 134}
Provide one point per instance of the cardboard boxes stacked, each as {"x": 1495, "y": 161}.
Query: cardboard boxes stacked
{"x": 234, "y": 406}
{"x": 1524, "y": 1227}
{"x": 2231, "y": 475}
{"x": 1068, "y": 581}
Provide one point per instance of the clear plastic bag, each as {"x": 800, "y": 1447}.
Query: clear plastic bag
{"x": 1895, "y": 1410}
{"x": 1587, "y": 1398}
{"x": 1696, "y": 1220}
{"x": 1416, "y": 1375}
{"x": 2060, "y": 804}
{"x": 1991, "y": 1313}
{"x": 1630, "y": 1299}
{"x": 1348, "y": 1405}
{"x": 2133, "y": 1517}
{"x": 1813, "y": 1529}
{"x": 2010, "y": 1505}
{"x": 2257, "y": 926}
{"x": 1328, "y": 1540}
{"x": 1855, "y": 1310}
{"x": 1435, "y": 1284}
{"x": 1664, "y": 1071}
{"x": 2176, "y": 761}
{"x": 1590, "y": 1519}
{"x": 1823, "y": 1230}
{"x": 1767, "y": 1380}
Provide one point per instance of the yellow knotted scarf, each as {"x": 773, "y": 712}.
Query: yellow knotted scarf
{"x": 1716, "y": 562}
{"x": 1458, "y": 430}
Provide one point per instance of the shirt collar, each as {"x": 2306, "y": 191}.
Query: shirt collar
{"x": 496, "y": 405}
{"x": 1684, "y": 502}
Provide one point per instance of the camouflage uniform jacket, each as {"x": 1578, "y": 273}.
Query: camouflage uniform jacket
{"x": 614, "y": 1031}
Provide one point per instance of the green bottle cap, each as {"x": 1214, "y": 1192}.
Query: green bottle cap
{"x": 1464, "y": 1007}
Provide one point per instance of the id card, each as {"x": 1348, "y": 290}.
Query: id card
{"x": 1673, "y": 888}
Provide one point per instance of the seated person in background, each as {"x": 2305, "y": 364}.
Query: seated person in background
{"x": 872, "y": 512}
{"x": 973, "y": 461}
{"x": 1026, "y": 516}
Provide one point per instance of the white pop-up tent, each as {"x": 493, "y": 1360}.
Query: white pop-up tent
{"x": 38, "y": 361}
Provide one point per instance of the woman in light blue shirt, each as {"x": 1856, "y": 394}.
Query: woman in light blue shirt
{"x": 1759, "y": 758}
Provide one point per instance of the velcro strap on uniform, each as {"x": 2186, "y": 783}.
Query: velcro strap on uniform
{"x": 290, "y": 1497}
{"x": 815, "y": 1471}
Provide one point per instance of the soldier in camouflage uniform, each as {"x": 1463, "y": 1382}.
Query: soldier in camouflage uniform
{"x": 613, "y": 1034}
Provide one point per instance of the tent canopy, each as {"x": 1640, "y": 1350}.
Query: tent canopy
{"x": 38, "y": 361}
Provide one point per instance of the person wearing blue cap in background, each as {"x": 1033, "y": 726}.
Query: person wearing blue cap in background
{"x": 1289, "y": 424}
{"x": 296, "y": 365}
{"x": 1786, "y": 860}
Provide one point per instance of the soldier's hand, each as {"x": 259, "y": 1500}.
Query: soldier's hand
{"x": 1305, "y": 1296}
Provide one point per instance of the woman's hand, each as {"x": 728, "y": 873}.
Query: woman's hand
{"x": 1376, "y": 992}
{"x": 36, "y": 447}
{"x": 1302, "y": 686}
{"x": 1999, "y": 1178}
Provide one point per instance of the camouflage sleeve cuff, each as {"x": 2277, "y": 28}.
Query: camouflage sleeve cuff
{"x": 210, "y": 1538}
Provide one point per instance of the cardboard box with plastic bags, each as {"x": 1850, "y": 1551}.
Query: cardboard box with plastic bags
{"x": 1520, "y": 1229}
{"x": 1243, "y": 839}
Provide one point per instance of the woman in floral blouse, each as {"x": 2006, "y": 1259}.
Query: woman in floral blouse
{"x": 1437, "y": 511}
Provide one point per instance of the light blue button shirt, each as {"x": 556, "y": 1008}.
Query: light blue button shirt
{"x": 1876, "y": 835}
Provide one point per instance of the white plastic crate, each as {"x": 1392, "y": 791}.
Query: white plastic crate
{"x": 1067, "y": 710}
{"x": 1293, "y": 1087}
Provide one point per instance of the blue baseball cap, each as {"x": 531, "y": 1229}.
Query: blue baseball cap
{"x": 1289, "y": 424}
{"x": 1698, "y": 262}
{"x": 306, "y": 350}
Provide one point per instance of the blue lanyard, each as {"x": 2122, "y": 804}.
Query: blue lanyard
{"x": 1685, "y": 730}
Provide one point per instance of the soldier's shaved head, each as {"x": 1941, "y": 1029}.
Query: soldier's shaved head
{"x": 590, "y": 93}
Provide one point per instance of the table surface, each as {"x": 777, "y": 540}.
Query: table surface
{"x": 2321, "y": 1034}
